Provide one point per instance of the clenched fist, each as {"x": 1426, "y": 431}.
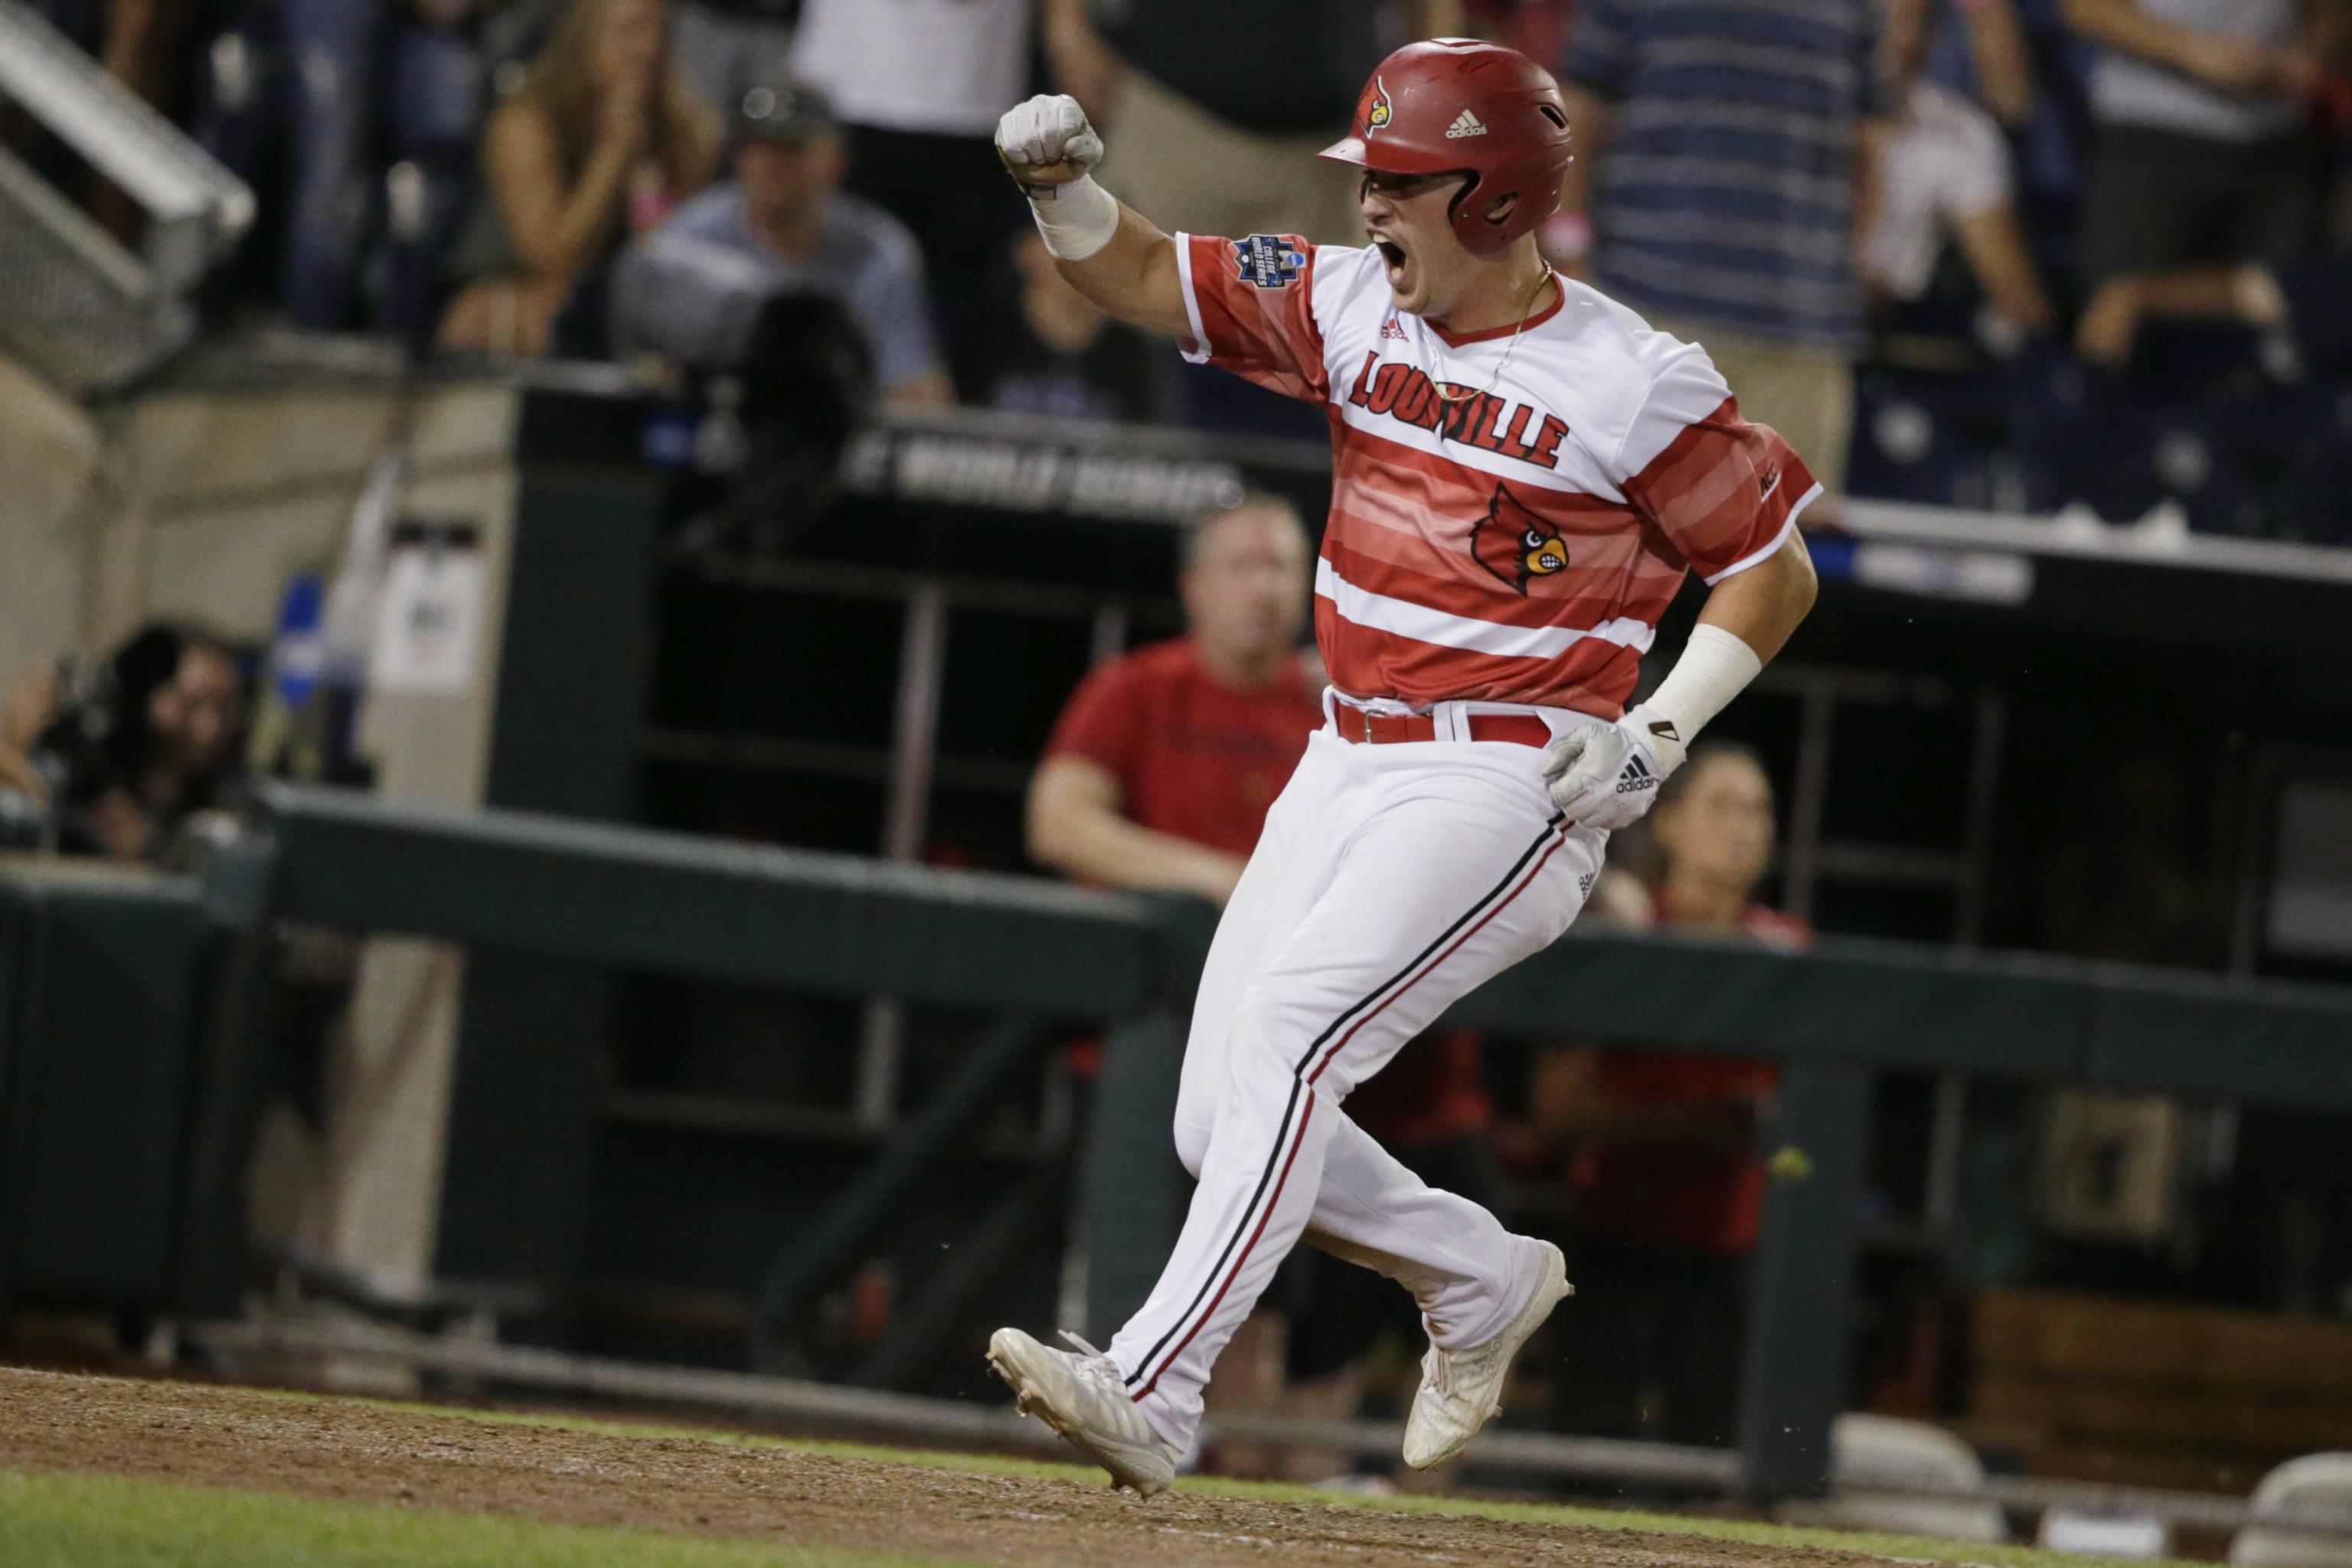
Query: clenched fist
{"x": 1047, "y": 141}
{"x": 1607, "y": 775}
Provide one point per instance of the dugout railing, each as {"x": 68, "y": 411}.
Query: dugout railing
{"x": 182, "y": 980}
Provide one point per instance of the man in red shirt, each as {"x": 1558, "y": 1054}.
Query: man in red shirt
{"x": 1161, "y": 770}
{"x": 1668, "y": 1187}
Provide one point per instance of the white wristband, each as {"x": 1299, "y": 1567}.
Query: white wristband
{"x": 1715, "y": 668}
{"x": 1077, "y": 219}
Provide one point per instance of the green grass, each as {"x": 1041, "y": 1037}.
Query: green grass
{"x": 100, "y": 1521}
{"x": 159, "y": 1525}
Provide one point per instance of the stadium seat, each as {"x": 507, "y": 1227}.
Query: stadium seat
{"x": 1939, "y": 439}
{"x": 2316, "y": 1481}
{"x": 1871, "y": 1456}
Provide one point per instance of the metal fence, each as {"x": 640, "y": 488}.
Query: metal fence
{"x": 598, "y": 897}
{"x": 83, "y": 308}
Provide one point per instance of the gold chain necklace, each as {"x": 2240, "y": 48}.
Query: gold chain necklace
{"x": 1440, "y": 382}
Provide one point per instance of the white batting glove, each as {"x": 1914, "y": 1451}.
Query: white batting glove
{"x": 1047, "y": 141}
{"x": 1607, "y": 775}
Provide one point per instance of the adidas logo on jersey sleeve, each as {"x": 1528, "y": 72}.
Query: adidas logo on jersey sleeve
{"x": 1465, "y": 124}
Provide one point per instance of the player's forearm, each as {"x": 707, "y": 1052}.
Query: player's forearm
{"x": 1113, "y": 256}
{"x": 1134, "y": 277}
{"x": 1747, "y": 619}
{"x": 1606, "y": 775}
{"x": 1098, "y": 846}
{"x": 1763, "y": 606}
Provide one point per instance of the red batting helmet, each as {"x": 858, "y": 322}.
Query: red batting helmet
{"x": 1458, "y": 106}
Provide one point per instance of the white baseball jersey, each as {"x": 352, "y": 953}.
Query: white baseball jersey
{"x": 1507, "y": 522}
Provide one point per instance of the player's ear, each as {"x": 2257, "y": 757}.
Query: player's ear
{"x": 1499, "y": 209}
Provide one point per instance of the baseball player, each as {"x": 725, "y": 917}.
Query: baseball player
{"x": 1522, "y": 471}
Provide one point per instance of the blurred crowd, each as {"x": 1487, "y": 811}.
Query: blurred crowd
{"x": 2024, "y": 254}
{"x": 2041, "y": 254}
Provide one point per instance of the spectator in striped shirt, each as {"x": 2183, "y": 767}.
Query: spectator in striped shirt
{"x": 1723, "y": 150}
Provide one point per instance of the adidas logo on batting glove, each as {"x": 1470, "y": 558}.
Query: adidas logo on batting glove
{"x": 1607, "y": 775}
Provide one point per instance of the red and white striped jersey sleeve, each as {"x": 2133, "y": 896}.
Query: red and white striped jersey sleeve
{"x": 1251, "y": 305}
{"x": 1725, "y": 492}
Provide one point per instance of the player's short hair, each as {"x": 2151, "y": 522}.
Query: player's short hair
{"x": 1196, "y": 533}
{"x": 1679, "y": 784}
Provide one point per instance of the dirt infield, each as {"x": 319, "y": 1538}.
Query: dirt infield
{"x": 356, "y": 1452}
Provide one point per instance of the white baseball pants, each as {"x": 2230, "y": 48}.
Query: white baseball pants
{"x": 1391, "y": 880}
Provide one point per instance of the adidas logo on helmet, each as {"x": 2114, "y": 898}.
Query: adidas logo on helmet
{"x": 1465, "y": 124}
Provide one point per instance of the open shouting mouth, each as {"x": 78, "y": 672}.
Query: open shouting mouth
{"x": 1401, "y": 267}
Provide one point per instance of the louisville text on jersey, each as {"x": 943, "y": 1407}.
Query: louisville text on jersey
{"x": 1477, "y": 419}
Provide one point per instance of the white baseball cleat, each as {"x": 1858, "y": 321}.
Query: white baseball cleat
{"x": 1461, "y": 1391}
{"x": 1081, "y": 1396}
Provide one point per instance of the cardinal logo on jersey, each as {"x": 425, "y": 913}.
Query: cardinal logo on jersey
{"x": 1268, "y": 260}
{"x": 1379, "y": 114}
{"x": 1514, "y": 544}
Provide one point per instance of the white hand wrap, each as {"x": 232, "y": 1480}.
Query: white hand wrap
{"x": 1076, "y": 217}
{"x": 1715, "y": 668}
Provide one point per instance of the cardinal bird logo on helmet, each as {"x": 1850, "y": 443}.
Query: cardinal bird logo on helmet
{"x": 1379, "y": 114}
{"x": 1515, "y": 544}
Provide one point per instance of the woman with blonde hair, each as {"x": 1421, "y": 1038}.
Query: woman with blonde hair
{"x": 598, "y": 142}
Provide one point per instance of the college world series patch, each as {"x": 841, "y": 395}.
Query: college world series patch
{"x": 1268, "y": 260}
